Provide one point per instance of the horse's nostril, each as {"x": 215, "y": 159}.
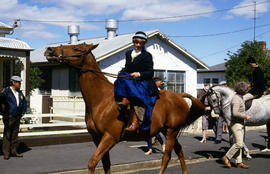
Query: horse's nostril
{"x": 49, "y": 50}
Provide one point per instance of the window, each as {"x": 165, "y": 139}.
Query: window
{"x": 74, "y": 80}
{"x": 174, "y": 80}
{"x": 215, "y": 81}
{"x": 206, "y": 81}
{"x": 46, "y": 75}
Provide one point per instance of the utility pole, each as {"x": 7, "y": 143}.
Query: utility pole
{"x": 254, "y": 21}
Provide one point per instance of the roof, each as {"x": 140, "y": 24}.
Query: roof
{"x": 109, "y": 47}
{"x": 9, "y": 43}
{"x": 5, "y": 26}
{"x": 215, "y": 68}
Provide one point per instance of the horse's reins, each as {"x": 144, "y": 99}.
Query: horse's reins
{"x": 214, "y": 92}
{"x": 219, "y": 100}
{"x": 63, "y": 59}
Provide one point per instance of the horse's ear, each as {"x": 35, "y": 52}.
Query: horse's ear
{"x": 93, "y": 46}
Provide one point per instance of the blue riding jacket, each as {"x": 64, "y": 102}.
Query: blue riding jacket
{"x": 8, "y": 99}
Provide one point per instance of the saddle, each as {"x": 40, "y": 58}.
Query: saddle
{"x": 248, "y": 104}
{"x": 249, "y": 99}
{"x": 131, "y": 110}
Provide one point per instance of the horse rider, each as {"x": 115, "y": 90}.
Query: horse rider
{"x": 237, "y": 126}
{"x": 258, "y": 83}
{"x": 139, "y": 87}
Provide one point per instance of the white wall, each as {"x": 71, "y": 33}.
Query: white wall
{"x": 168, "y": 58}
{"x": 36, "y": 101}
{"x": 219, "y": 75}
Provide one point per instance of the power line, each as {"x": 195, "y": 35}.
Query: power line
{"x": 222, "y": 33}
{"x": 221, "y": 51}
{"x": 146, "y": 19}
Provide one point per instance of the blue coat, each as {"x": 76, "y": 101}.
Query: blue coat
{"x": 8, "y": 99}
{"x": 142, "y": 88}
{"x": 143, "y": 64}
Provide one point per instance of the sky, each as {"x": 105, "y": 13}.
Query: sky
{"x": 208, "y": 29}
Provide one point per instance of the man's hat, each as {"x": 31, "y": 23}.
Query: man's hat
{"x": 157, "y": 79}
{"x": 250, "y": 60}
{"x": 16, "y": 78}
{"x": 141, "y": 35}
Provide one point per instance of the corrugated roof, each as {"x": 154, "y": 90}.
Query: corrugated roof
{"x": 108, "y": 47}
{"x": 214, "y": 68}
{"x": 9, "y": 43}
{"x": 5, "y": 26}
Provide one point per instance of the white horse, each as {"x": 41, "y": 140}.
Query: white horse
{"x": 220, "y": 97}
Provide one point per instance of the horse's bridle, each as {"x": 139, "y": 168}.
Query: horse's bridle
{"x": 63, "y": 59}
{"x": 211, "y": 92}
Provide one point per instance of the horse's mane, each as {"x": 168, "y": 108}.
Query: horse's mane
{"x": 224, "y": 90}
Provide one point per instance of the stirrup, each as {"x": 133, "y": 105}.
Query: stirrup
{"x": 121, "y": 106}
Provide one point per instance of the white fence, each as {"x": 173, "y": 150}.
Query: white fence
{"x": 35, "y": 121}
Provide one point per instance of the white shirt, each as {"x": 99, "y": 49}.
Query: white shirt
{"x": 16, "y": 95}
{"x": 134, "y": 54}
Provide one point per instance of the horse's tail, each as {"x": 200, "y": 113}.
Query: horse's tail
{"x": 196, "y": 110}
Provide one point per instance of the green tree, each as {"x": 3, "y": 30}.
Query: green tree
{"x": 237, "y": 69}
{"x": 35, "y": 80}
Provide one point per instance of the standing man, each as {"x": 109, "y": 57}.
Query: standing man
{"x": 257, "y": 85}
{"x": 14, "y": 108}
{"x": 237, "y": 126}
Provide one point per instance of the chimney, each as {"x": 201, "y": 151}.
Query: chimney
{"x": 263, "y": 43}
{"x": 73, "y": 32}
{"x": 111, "y": 26}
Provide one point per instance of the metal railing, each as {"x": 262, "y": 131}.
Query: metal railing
{"x": 74, "y": 122}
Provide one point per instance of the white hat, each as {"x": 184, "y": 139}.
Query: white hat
{"x": 16, "y": 78}
{"x": 141, "y": 35}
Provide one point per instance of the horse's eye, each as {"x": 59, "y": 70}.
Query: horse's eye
{"x": 75, "y": 49}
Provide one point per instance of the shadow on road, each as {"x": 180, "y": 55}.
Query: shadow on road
{"x": 22, "y": 147}
{"x": 210, "y": 154}
{"x": 261, "y": 147}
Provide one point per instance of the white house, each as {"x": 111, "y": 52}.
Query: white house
{"x": 174, "y": 64}
{"x": 13, "y": 51}
{"x": 213, "y": 76}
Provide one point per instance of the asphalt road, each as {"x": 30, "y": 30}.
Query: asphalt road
{"x": 130, "y": 155}
{"x": 260, "y": 164}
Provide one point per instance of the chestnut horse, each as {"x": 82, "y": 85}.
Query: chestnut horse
{"x": 106, "y": 125}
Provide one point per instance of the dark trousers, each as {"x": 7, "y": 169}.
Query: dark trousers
{"x": 268, "y": 134}
{"x": 11, "y": 131}
{"x": 149, "y": 141}
{"x": 219, "y": 124}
